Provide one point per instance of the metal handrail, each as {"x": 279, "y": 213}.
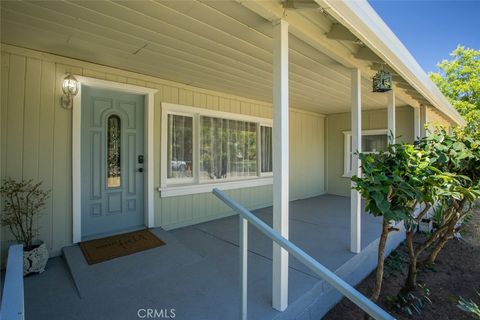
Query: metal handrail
{"x": 331, "y": 278}
{"x": 12, "y": 301}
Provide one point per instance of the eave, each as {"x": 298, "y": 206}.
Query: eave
{"x": 360, "y": 18}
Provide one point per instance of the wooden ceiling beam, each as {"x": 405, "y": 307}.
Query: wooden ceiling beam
{"x": 365, "y": 53}
{"x": 339, "y": 32}
{"x": 300, "y": 4}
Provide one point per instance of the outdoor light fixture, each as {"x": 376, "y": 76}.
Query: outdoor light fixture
{"x": 382, "y": 81}
{"x": 70, "y": 90}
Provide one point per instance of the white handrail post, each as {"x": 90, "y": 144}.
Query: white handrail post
{"x": 391, "y": 116}
{"x": 416, "y": 124}
{"x": 423, "y": 120}
{"x": 355, "y": 199}
{"x": 243, "y": 244}
{"x": 280, "y": 162}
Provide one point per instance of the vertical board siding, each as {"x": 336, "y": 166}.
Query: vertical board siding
{"x": 15, "y": 108}
{"x": 45, "y": 152}
{"x": 62, "y": 160}
{"x": 30, "y": 119}
{"x": 372, "y": 119}
{"x": 37, "y": 133}
{"x": 5, "y": 66}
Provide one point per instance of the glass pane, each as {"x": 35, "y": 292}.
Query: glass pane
{"x": 228, "y": 149}
{"x": 180, "y": 147}
{"x": 113, "y": 151}
{"x": 266, "y": 147}
{"x": 374, "y": 143}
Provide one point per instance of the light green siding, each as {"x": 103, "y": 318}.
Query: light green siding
{"x": 36, "y": 135}
{"x": 373, "y": 119}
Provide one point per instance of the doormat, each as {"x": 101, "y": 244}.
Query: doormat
{"x": 108, "y": 248}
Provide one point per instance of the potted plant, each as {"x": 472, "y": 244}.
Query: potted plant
{"x": 23, "y": 203}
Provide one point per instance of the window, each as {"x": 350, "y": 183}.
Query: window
{"x": 201, "y": 147}
{"x": 113, "y": 151}
{"x": 180, "y": 148}
{"x": 266, "y": 149}
{"x": 372, "y": 141}
{"x": 228, "y": 149}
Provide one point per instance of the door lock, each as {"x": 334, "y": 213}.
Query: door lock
{"x": 140, "y": 169}
{"x": 140, "y": 159}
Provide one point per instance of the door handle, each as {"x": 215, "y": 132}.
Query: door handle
{"x": 140, "y": 169}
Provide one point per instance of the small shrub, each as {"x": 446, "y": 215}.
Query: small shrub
{"x": 469, "y": 306}
{"x": 23, "y": 202}
{"x": 408, "y": 303}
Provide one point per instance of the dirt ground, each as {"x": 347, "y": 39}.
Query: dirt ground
{"x": 456, "y": 273}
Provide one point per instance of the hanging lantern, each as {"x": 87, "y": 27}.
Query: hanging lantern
{"x": 382, "y": 81}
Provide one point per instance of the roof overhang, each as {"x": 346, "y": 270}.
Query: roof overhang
{"x": 362, "y": 20}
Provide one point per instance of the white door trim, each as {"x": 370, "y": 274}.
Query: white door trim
{"x": 76, "y": 148}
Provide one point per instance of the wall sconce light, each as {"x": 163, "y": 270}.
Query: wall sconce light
{"x": 382, "y": 81}
{"x": 70, "y": 90}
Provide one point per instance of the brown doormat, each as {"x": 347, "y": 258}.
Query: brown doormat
{"x": 104, "y": 249}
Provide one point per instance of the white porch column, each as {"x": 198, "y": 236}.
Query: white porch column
{"x": 416, "y": 123}
{"x": 355, "y": 198}
{"x": 280, "y": 162}
{"x": 423, "y": 120}
{"x": 391, "y": 116}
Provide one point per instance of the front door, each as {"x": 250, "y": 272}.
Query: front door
{"x": 112, "y": 162}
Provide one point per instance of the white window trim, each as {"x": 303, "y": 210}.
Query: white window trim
{"x": 347, "y": 173}
{"x": 171, "y": 188}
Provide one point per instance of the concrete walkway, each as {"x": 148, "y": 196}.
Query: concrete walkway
{"x": 196, "y": 272}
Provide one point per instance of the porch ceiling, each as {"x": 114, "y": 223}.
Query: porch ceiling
{"x": 217, "y": 45}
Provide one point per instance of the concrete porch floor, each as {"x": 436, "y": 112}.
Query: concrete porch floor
{"x": 196, "y": 272}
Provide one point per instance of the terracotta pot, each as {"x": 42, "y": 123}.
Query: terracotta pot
{"x": 35, "y": 258}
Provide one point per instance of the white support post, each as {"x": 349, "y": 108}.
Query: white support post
{"x": 243, "y": 244}
{"x": 423, "y": 120}
{"x": 355, "y": 198}
{"x": 280, "y": 162}
{"x": 391, "y": 116}
{"x": 416, "y": 123}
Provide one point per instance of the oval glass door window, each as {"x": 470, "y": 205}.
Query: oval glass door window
{"x": 113, "y": 151}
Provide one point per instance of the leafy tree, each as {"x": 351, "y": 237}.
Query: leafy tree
{"x": 459, "y": 81}
{"x": 442, "y": 171}
{"x": 457, "y": 154}
{"x": 389, "y": 185}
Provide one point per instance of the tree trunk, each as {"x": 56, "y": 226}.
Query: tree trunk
{"x": 381, "y": 260}
{"x": 440, "y": 244}
{"x": 411, "y": 280}
{"x": 433, "y": 255}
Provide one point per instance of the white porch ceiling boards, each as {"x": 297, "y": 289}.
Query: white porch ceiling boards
{"x": 217, "y": 45}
